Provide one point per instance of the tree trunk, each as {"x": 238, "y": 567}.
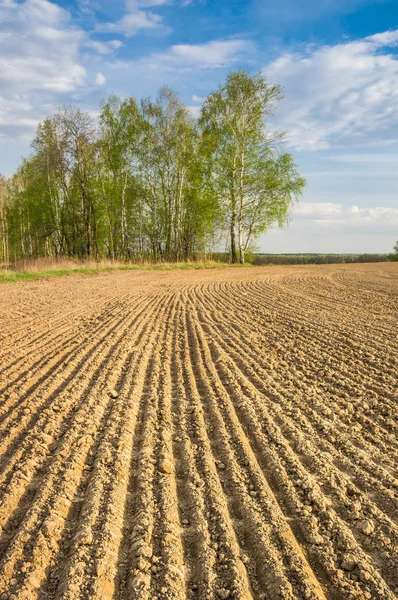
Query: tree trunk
{"x": 233, "y": 236}
{"x": 87, "y": 221}
{"x": 4, "y": 235}
{"x": 125, "y": 250}
{"x": 241, "y": 246}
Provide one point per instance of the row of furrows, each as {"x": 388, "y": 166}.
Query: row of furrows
{"x": 378, "y": 312}
{"x": 337, "y": 351}
{"x": 309, "y": 289}
{"x": 333, "y": 314}
{"x": 345, "y": 279}
{"x": 369, "y": 280}
{"x": 67, "y": 329}
{"x": 208, "y": 477}
{"x": 38, "y": 327}
{"x": 57, "y": 456}
{"x": 364, "y": 281}
{"x": 40, "y": 332}
{"x": 151, "y": 552}
{"x": 282, "y": 339}
{"x": 365, "y": 290}
{"x": 61, "y": 392}
{"x": 302, "y": 399}
{"x": 346, "y": 320}
{"x": 39, "y": 366}
{"x": 145, "y": 494}
{"x": 270, "y": 549}
{"x": 99, "y": 585}
{"x": 92, "y": 547}
{"x": 52, "y": 416}
{"x": 153, "y": 506}
{"x": 386, "y": 525}
{"x": 37, "y": 319}
{"x": 216, "y": 558}
{"x": 373, "y": 418}
{"x": 315, "y": 469}
{"x": 343, "y": 376}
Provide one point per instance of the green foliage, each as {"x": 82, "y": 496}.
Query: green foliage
{"x": 149, "y": 182}
{"x": 254, "y": 184}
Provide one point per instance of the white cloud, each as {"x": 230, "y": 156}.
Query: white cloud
{"x": 132, "y": 22}
{"x": 387, "y": 38}
{"x": 135, "y": 18}
{"x": 38, "y": 48}
{"x": 100, "y": 79}
{"x": 104, "y": 47}
{"x": 40, "y": 62}
{"x": 212, "y": 54}
{"x": 189, "y": 57}
{"x": 134, "y": 4}
{"x": 340, "y": 95}
{"x": 329, "y": 213}
{"x": 16, "y": 115}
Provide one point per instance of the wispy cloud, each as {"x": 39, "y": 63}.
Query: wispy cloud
{"x": 340, "y": 95}
{"x": 100, "y": 79}
{"x": 137, "y": 4}
{"x": 329, "y": 213}
{"x": 104, "y": 47}
{"x": 132, "y": 22}
{"x": 40, "y": 62}
{"x": 136, "y": 18}
{"x": 39, "y": 49}
{"x": 214, "y": 54}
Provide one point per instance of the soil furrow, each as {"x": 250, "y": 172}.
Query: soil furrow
{"x": 200, "y": 435}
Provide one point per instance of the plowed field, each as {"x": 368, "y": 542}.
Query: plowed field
{"x": 200, "y": 435}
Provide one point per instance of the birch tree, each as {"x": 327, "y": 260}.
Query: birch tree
{"x": 254, "y": 186}
{"x": 167, "y": 159}
{"x": 119, "y": 132}
{"x": 76, "y": 135}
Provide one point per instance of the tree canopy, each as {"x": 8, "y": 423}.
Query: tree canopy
{"x": 148, "y": 181}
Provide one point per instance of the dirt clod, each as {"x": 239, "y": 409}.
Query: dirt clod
{"x": 367, "y": 527}
{"x": 166, "y": 466}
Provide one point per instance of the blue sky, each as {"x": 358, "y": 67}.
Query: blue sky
{"x": 337, "y": 61}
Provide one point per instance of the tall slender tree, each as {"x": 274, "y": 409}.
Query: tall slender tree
{"x": 254, "y": 185}
{"x": 118, "y": 142}
{"x": 76, "y": 138}
{"x": 169, "y": 162}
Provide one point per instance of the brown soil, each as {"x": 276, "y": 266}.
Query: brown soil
{"x": 200, "y": 435}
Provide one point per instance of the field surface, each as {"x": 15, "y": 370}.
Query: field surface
{"x": 200, "y": 435}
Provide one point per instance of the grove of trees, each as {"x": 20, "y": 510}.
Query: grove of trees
{"x": 147, "y": 181}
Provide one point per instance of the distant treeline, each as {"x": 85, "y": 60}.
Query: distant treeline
{"x": 147, "y": 181}
{"x": 259, "y": 258}
{"x": 317, "y": 259}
